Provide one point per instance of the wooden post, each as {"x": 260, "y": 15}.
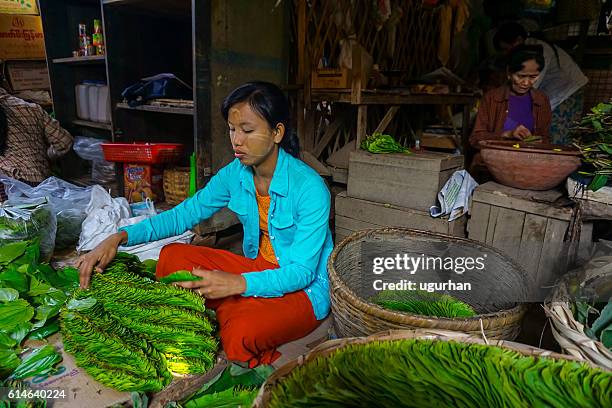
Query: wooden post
{"x": 301, "y": 38}
{"x": 362, "y": 124}
{"x": 465, "y": 136}
{"x": 356, "y": 68}
{"x": 382, "y": 126}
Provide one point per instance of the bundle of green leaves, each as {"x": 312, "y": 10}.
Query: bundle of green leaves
{"x": 423, "y": 303}
{"x": 31, "y": 296}
{"x": 381, "y": 143}
{"x": 132, "y": 333}
{"x": 426, "y": 373}
{"x": 593, "y": 136}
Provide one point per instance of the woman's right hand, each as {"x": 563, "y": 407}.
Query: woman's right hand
{"x": 99, "y": 257}
{"x": 520, "y": 133}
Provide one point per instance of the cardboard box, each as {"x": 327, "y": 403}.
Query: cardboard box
{"x": 143, "y": 181}
{"x": 333, "y": 78}
{"x": 79, "y": 388}
{"x": 19, "y": 7}
{"x": 21, "y": 37}
{"x": 28, "y": 75}
{"x": 406, "y": 180}
{"x": 354, "y": 214}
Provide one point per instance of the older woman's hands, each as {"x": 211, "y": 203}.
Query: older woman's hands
{"x": 215, "y": 284}
{"x": 99, "y": 257}
{"x": 520, "y": 133}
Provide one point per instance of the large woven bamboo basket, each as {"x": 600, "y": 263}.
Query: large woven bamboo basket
{"x": 498, "y": 296}
{"x": 568, "y": 332}
{"x": 329, "y": 347}
{"x": 176, "y": 184}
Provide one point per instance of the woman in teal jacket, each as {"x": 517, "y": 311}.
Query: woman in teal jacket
{"x": 279, "y": 290}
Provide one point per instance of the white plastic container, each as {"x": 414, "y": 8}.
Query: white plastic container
{"x": 82, "y": 101}
{"x": 92, "y": 101}
{"x": 103, "y": 105}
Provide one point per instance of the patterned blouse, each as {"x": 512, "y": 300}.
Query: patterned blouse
{"x": 34, "y": 138}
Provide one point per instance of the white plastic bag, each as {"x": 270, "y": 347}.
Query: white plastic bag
{"x": 103, "y": 216}
{"x": 107, "y": 214}
{"x": 151, "y": 250}
{"x": 90, "y": 148}
{"x": 67, "y": 200}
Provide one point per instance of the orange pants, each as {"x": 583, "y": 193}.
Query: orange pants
{"x": 250, "y": 328}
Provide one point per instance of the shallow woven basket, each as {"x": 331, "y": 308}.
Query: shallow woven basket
{"x": 176, "y": 184}
{"x": 568, "y": 332}
{"x": 330, "y": 346}
{"x": 498, "y": 318}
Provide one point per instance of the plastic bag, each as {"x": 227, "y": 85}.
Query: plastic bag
{"x": 67, "y": 200}
{"x": 90, "y": 148}
{"x": 103, "y": 215}
{"x": 151, "y": 250}
{"x": 29, "y": 220}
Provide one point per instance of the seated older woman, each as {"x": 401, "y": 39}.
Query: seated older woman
{"x": 516, "y": 110}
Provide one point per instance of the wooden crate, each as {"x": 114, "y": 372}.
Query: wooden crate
{"x": 354, "y": 214}
{"x": 526, "y": 226}
{"x": 411, "y": 181}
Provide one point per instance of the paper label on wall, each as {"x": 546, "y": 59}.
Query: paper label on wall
{"x": 21, "y": 37}
{"x": 18, "y": 6}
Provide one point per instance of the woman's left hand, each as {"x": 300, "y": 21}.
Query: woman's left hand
{"x": 215, "y": 284}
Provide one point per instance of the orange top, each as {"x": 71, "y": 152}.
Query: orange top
{"x": 265, "y": 246}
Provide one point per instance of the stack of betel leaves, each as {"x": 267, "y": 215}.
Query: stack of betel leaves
{"x": 132, "y": 333}
{"x": 426, "y": 373}
{"x": 31, "y": 296}
{"x": 423, "y": 303}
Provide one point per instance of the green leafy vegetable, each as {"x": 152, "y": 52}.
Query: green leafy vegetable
{"x": 431, "y": 373}
{"x": 381, "y": 143}
{"x": 423, "y": 303}
{"x": 8, "y": 294}
{"x": 14, "y": 313}
{"x": 132, "y": 333}
{"x": 39, "y": 362}
{"x": 179, "y": 276}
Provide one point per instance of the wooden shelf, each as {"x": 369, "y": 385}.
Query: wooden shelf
{"x": 391, "y": 97}
{"x": 168, "y": 6}
{"x": 94, "y": 59}
{"x": 159, "y": 109}
{"x": 90, "y": 124}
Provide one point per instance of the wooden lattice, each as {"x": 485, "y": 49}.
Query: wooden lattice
{"x": 405, "y": 41}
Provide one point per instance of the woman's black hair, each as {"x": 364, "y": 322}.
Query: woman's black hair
{"x": 271, "y": 104}
{"x": 3, "y": 129}
{"x": 510, "y": 31}
{"x": 523, "y": 53}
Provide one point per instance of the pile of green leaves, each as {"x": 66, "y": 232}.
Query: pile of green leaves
{"x": 381, "y": 143}
{"x": 32, "y": 222}
{"x": 132, "y": 333}
{"x": 426, "y": 373}
{"x": 593, "y": 136}
{"x": 234, "y": 387}
{"x": 31, "y": 296}
{"x": 423, "y": 303}
{"x": 597, "y": 320}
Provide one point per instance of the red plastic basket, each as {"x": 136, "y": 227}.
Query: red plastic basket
{"x": 149, "y": 153}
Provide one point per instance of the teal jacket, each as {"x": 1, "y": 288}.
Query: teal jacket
{"x": 298, "y": 224}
